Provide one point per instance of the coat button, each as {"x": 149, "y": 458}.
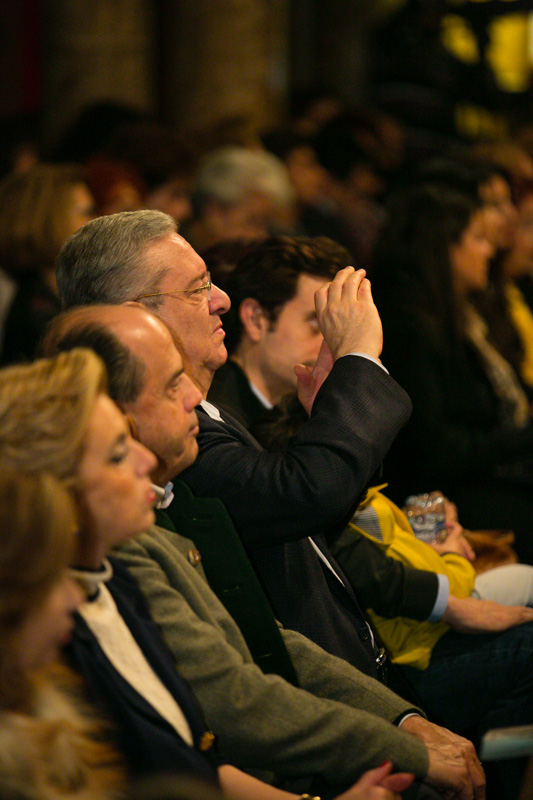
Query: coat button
{"x": 206, "y": 741}
{"x": 194, "y": 557}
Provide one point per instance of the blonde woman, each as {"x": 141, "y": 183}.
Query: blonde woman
{"x": 55, "y": 414}
{"x": 48, "y": 748}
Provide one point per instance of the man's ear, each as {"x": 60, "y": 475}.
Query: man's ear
{"x": 253, "y": 319}
{"x": 130, "y": 422}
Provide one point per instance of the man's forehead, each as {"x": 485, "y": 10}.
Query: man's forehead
{"x": 306, "y": 287}
{"x": 151, "y": 341}
{"x": 138, "y": 328}
{"x": 153, "y": 332}
{"x": 176, "y": 256}
{"x": 162, "y": 368}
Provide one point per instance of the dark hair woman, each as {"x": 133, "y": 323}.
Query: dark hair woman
{"x": 470, "y": 434}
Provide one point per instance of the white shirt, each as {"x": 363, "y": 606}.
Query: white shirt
{"x": 116, "y": 640}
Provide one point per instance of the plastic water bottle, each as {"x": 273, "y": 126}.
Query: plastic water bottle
{"x": 426, "y": 515}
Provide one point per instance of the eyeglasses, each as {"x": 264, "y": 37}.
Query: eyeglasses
{"x": 190, "y": 294}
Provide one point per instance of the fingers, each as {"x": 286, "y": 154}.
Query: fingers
{"x": 454, "y": 533}
{"x": 381, "y": 776}
{"x": 478, "y": 778}
{"x": 325, "y": 359}
{"x": 347, "y": 316}
{"x": 365, "y": 291}
{"x": 477, "y": 775}
{"x": 450, "y": 510}
{"x": 454, "y": 765}
{"x": 353, "y": 278}
{"x": 303, "y": 373}
{"x": 398, "y": 782}
{"x": 333, "y": 291}
{"x": 526, "y": 613}
{"x": 310, "y": 379}
{"x": 374, "y": 777}
{"x": 305, "y": 386}
{"x": 468, "y": 551}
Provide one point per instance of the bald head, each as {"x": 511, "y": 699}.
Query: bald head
{"x": 106, "y": 330}
{"x": 146, "y": 376}
{"x": 121, "y": 319}
{"x": 108, "y": 316}
{"x": 117, "y": 334}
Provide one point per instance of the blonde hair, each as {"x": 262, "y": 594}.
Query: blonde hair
{"x": 38, "y": 525}
{"x": 34, "y": 211}
{"x": 50, "y": 745}
{"x": 45, "y": 409}
{"x": 59, "y": 751}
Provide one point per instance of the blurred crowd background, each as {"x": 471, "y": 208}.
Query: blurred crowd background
{"x": 242, "y": 118}
{"x": 398, "y": 131}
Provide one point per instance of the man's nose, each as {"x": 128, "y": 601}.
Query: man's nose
{"x": 146, "y": 460}
{"x": 192, "y": 396}
{"x": 219, "y": 302}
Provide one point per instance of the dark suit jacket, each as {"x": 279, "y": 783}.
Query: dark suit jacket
{"x": 276, "y": 501}
{"x": 381, "y": 582}
{"x": 230, "y": 391}
{"x": 148, "y": 741}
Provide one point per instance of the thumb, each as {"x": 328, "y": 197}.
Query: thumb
{"x": 365, "y": 290}
{"x": 304, "y": 374}
{"x": 374, "y": 777}
{"x": 454, "y": 533}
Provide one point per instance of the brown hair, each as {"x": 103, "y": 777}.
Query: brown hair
{"x": 38, "y": 524}
{"x": 52, "y": 745}
{"x": 34, "y": 216}
{"x": 269, "y": 274}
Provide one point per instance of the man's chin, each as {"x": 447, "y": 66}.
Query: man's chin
{"x": 188, "y": 458}
{"x": 221, "y": 356}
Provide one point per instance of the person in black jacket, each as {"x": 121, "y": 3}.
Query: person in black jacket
{"x": 470, "y": 434}
{"x": 281, "y": 505}
{"x": 139, "y": 256}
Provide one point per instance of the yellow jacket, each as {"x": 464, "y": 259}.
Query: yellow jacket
{"x": 523, "y": 321}
{"x": 411, "y": 641}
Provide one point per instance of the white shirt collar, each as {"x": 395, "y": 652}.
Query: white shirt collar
{"x": 211, "y": 410}
{"x": 164, "y": 495}
{"x": 90, "y": 579}
{"x": 260, "y": 396}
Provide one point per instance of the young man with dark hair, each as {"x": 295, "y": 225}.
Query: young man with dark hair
{"x": 272, "y": 323}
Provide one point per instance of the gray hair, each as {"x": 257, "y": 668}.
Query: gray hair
{"x": 103, "y": 261}
{"x": 229, "y": 174}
